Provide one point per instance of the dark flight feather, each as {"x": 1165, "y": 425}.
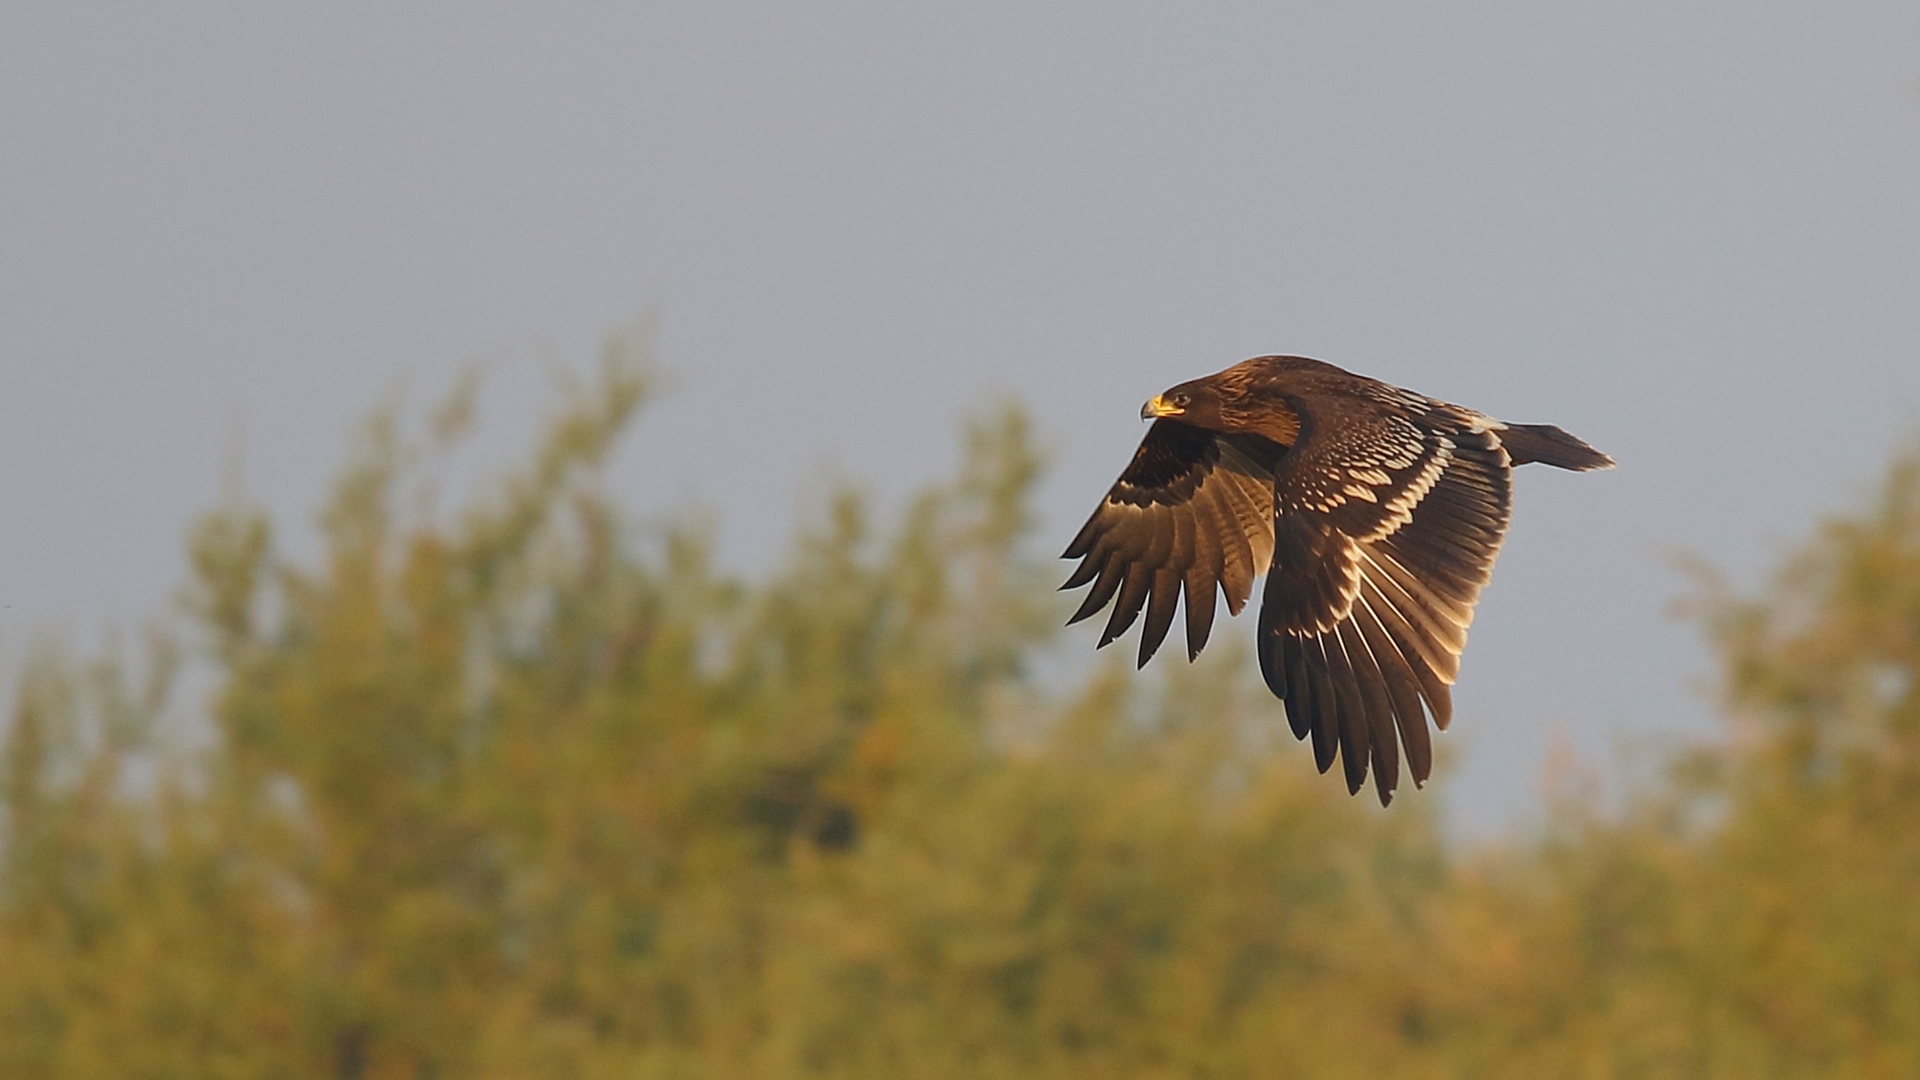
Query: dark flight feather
{"x": 1193, "y": 512}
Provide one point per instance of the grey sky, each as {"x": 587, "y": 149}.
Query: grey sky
{"x": 1687, "y": 232}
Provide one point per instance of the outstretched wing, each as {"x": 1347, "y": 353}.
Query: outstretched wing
{"x": 1387, "y": 517}
{"x": 1193, "y": 511}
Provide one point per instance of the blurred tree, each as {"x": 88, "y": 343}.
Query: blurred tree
{"x": 1759, "y": 915}
{"x": 1815, "y": 901}
{"x": 515, "y": 788}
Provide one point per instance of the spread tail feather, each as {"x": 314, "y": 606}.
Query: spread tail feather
{"x": 1551, "y": 446}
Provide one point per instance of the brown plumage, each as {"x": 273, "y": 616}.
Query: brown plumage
{"x": 1375, "y": 514}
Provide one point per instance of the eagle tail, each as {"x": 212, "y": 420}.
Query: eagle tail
{"x": 1550, "y": 446}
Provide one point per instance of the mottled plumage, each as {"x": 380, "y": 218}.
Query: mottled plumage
{"x": 1375, "y": 514}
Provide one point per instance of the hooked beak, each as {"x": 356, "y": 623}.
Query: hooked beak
{"x": 1159, "y": 406}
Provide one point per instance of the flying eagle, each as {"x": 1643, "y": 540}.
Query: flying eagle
{"x": 1374, "y": 512}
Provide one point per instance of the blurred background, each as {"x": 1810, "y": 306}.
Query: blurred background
{"x": 684, "y": 701}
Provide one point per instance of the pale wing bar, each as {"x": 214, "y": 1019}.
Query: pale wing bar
{"x": 1374, "y": 596}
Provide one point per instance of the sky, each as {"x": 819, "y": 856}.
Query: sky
{"x": 1687, "y": 232}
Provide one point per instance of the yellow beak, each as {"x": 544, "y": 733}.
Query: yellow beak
{"x": 1159, "y": 406}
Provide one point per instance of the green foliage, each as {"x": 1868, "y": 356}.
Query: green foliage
{"x": 519, "y": 789}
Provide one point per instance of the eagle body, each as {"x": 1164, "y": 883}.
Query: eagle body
{"x": 1375, "y": 514}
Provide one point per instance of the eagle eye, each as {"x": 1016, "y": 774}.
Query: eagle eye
{"x": 1182, "y": 400}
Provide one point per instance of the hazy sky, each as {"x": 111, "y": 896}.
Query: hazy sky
{"x": 1689, "y": 233}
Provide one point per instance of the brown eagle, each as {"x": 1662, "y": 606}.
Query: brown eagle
{"x": 1374, "y": 512}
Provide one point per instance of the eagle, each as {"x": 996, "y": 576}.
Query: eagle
{"x": 1375, "y": 514}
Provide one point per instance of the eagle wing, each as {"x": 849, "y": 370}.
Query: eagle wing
{"x": 1388, "y": 514}
{"x": 1193, "y": 511}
